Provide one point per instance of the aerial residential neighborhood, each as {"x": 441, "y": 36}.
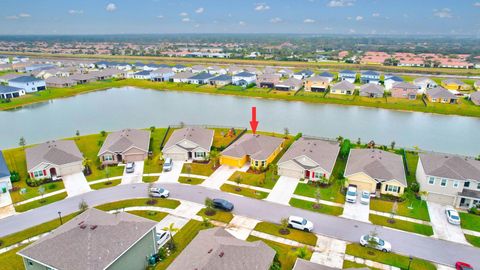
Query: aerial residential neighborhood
{"x": 212, "y": 135}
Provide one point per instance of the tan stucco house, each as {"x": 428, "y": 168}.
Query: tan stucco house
{"x": 189, "y": 143}
{"x": 376, "y": 170}
{"x": 449, "y": 179}
{"x": 54, "y": 159}
{"x": 310, "y": 159}
{"x": 128, "y": 145}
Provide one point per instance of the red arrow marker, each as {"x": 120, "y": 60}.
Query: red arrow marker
{"x": 254, "y": 122}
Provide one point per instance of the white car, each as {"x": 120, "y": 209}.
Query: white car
{"x": 300, "y": 223}
{"x": 351, "y": 194}
{"x": 365, "y": 198}
{"x": 452, "y": 215}
{"x": 380, "y": 243}
{"x": 159, "y": 192}
{"x": 162, "y": 237}
{"x": 130, "y": 167}
{"x": 168, "y": 165}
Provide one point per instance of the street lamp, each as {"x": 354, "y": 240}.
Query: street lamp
{"x": 410, "y": 261}
{"x": 60, "y": 216}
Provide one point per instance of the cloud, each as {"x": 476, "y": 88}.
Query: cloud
{"x": 196, "y": 25}
{"x": 242, "y": 23}
{"x": 12, "y": 17}
{"x": 186, "y": 19}
{"x": 160, "y": 17}
{"x": 261, "y": 7}
{"x": 375, "y": 14}
{"x": 111, "y": 7}
{"x": 352, "y": 31}
{"x": 358, "y": 18}
{"x": 199, "y": 10}
{"x": 476, "y": 4}
{"x": 18, "y": 16}
{"x": 444, "y": 13}
{"x": 24, "y": 15}
{"x": 276, "y": 20}
{"x": 340, "y": 3}
{"x": 309, "y": 20}
{"x": 184, "y": 14}
{"x": 75, "y": 11}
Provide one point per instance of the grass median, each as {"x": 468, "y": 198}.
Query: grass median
{"x": 152, "y": 215}
{"x": 106, "y": 184}
{"x": 219, "y": 215}
{"x": 10, "y": 260}
{"x": 302, "y": 237}
{"x": 247, "y": 192}
{"x": 470, "y": 221}
{"x": 322, "y": 208}
{"x": 41, "y": 202}
{"x": 472, "y": 239}
{"x": 190, "y": 180}
{"x": 166, "y": 203}
{"x": 204, "y": 169}
{"x": 402, "y": 225}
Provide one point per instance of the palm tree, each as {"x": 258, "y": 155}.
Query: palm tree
{"x": 238, "y": 180}
{"x": 171, "y": 229}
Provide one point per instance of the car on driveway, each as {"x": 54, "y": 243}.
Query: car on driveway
{"x": 300, "y": 223}
{"x": 351, "y": 194}
{"x": 380, "y": 244}
{"x": 130, "y": 167}
{"x": 168, "y": 165}
{"x": 159, "y": 192}
{"x": 162, "y": 237}
{"x": 463, "y": 266}
{"x": 222, "y": 204}
{"x": 365, "y": 198}
{"x": 452, "y": 215}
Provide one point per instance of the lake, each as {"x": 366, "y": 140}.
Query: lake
{"x": 120, "y": 108}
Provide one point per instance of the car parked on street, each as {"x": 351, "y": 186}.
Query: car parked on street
{"x": 380, "y": 243}
{"x": 351, "y": 194}
{"x": 452, "y": 215}
{"x": 222, "y": 204}
{"x": 463, "y": 266}
{"x": 130, "y": 167}
{"x": 162, "y": 237}
{"x": 365, "y": 197}
{"x": 300, "y": 223}
{"x": 159, "y": 192}
{"x": 168, "y": 165}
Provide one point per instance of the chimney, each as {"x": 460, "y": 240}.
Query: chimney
{"x": 93, "y": 227}
{"x": 210, "y": 251}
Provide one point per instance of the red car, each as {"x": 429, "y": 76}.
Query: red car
{"x": 463, "y": 266}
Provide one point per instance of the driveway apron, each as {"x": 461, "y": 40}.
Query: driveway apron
{"x": 76, "y": 184}
{"x": 136, "y": 176}
{"x": 283, "y": 190}
{"x": 441, "y": 228}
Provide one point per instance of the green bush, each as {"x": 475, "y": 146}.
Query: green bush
{"x": 14, "y": 176}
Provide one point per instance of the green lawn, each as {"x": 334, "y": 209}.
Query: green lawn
{"x": 474, "y": 240}
{"x": 190, "y": 180}
{"x": 149, "y": 179}
{"x": 40, "y": 202}
{"x": 182, "y": 238}
{"x": 419, "y": 208}
{"x": 204, "y": 169}
{"x": 306, "y": 238}
{"x": 254, "y": 179}
{"x": 167, "y": 203}
{"x": 153, "y": 215}
{"x": 389, "y": 258}
{"x": 106, "y": 184}
{"x": 349, "y": 264}
{"x": 470, "y": 221}
{"x": 155, "y": 163}
{"x": 221, "y": 216}
{"x": 412, "y": 162}
{"x": 324, "y": 209}
{"x": 221, "y": 138}
{"x": 402, "y": 225}
{"x": 286, "y": 254}
{"x": 34, "y": 231}
{"x": 244, "y": 191}
{"x": 11, "y": 261}
{"x": 331, "y": 193}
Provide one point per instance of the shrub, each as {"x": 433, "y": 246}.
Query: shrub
{"x": 52, "y": 186}
{"x": 474, "y": 210}
{"x": 14, "y": 176}
{"x": 152, "y": 202}
{"x": 415, "y": 187}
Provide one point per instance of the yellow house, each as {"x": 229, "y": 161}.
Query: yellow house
{"x": 376, "y": 170}
{"x": 455, "y": 84}
{"x": 317, "y": 84}
{"x": 258, "y": 150}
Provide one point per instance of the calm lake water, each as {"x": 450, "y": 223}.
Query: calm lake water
{"x": 138, "y": 108}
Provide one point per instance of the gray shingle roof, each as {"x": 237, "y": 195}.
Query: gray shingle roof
{"x": 475, "y": 97}
{"x": 301, "y": 264}
{"x": 422, "y": 80}
{"x": 378, "y": 164}
{"x": 217, "y": 249}
{"x": 343, "y": 85}
{"x": 457, "y": 81}
{"x": 258, "y": 147}
{"x": 4, "y": 171}
{"x": 59, "y": 80}
{"x": 372, "y": 88}
{"x": 5, "y": 89}
{"x": 25, "y": 79}
{"x": 183, "y": 75}
{"x": 324, "y": 153}
{"x": 72, "y": 247}
{"x": 200, "y": 136}
{"x": 53, "y": 152}
{"x": 440, "y": 92}
{"x": 222, "y": 77}
{"x": 405, "y": 85}
{"x": 120, "y": 141}
{"x": 202, "y": 76}
{"x": 450, "y": 166}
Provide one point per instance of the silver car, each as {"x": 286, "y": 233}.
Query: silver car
{"x": 168, "y": 165}
{"x": 130, "y": 167}
{"x": 452, "y": 216}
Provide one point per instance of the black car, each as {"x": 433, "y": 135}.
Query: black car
{"x": 222, "y": 204}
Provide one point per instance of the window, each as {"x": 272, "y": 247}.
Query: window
{"x": 444, "y": 182}
{"x": 466, "y": 184}
{"x": 391, "y": 188}
{"x": 456, "y": 184}
{"x": 478, "y": 185}
{"x": 263, "y": 163}
{"x": 199, "y": 154}
{"x": 38, "y": 173}
{"x": 431, "y": 180}
{"x": 256, "y": 163}
{"x": 107, "y": 157}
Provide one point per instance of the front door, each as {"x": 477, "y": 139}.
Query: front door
{"x": 190, "y": 155}
{"x": 307, "y": 174}
{"x": 53, "y": 172}
{"x": 119, "y": 158}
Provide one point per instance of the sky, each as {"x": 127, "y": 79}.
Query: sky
{"x": 391, "y": 17}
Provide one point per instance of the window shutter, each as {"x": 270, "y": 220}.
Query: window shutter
{"x": 386, "y": 187}
{"x": 44, "y": 172}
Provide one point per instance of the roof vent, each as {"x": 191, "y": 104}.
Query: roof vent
{"x": 81, "y": 222}
{"x": 221, "y": 254}
{"x": 93, "y": 227}
{"x": 83, "y": 226}
{"x": 210, "y": 251}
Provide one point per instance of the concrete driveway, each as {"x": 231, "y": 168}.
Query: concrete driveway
{"x": 173, "y": 175}
{"x": 136, "y": 176}
{"x": 76, "y": 184}
{"x": 221, "y": 175}
{"x": 441, "y": 228}
{"x": 283, "y": 190}
{"x": 356, "y": 211}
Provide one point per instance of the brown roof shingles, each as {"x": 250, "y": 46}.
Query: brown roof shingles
{"x": 258, "y": 147}
{"x": 53, "y": 152}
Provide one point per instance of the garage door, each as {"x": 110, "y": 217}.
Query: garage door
{"x": 176, "y": 156}
{"x": 70, "y": 169}
{"x": 441, "y": 199}
{"x": 290, "y": 172}
{"x": 361, "y": 186}
{"x": 134, "y": 157}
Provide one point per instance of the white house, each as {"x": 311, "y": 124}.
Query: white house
{"x": 162, "y": 74}
{"x": 189, "y": 143}
{"x": 390, "y": 80}
{"x": 142, "y": 75}
{"x": 244, "y": 78}
{"x": 7, "y": 92}
{"x": 29, "y": 83}
{"x": 5, "y": 183}
{"x": 424, "y": 84}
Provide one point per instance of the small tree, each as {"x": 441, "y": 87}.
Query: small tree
{"x": 286, "y": 132}
{"x": 318, "y": 197}
{"x": 393, "y": 212}
{"x": 182, "y": 124}
{"x": 284, "y": 226}
{"x": 22, "y": 142}
{"x": 392, "y": 145}
{"x": 41, "y": 192}
{"x": 206, "y": 222}
{"x": 82, "y": 206}
{"x": 371, "y": 242}
{"x": 77, "y": 133}
{"x": 359, "y": 141}
{"x": 103, "y": 133}
{"x": 152, "y": 129}
{"x": 171, "y": 229}
{"x": 238, "y": 180}
{"x": 339, "y": 139}
{"x": 302, "y": 252}
{"x": 345, "y": 148}
{"x": 209, "y": 210}
{"x": 213, "y": 156}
